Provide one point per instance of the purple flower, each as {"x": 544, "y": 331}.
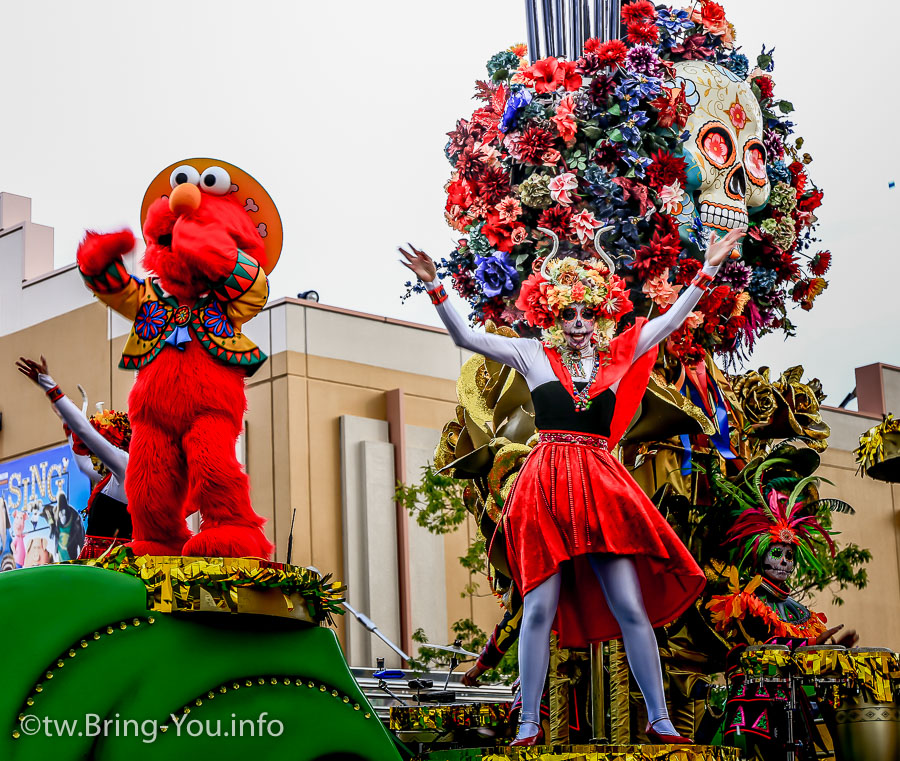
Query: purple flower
{"x": 673, "y": 20}
{"x": 630, "y": 128}
{"x": 635, "y": 87}
{"x": 736, "y": 274}
{"x": 774, "y": 144}
{"x": 642, "y": 59}
{"x": 497, "y": 274}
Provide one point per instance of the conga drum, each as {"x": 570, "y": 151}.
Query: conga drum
{"x": 457, "y": 723}
{"x": 819, "y": 665}
{"x": 767, "y": 664}
{"x": 864, "y": 720}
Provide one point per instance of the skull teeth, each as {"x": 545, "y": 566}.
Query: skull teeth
{"x": 723, "y": 217}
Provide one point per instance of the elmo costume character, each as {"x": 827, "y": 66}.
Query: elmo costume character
{"x": 207, "y": 259}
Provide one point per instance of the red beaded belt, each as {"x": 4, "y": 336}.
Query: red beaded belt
{"x": 567, "y": 437}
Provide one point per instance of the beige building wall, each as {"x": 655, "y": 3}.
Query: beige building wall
{"x": 329, "y": 365}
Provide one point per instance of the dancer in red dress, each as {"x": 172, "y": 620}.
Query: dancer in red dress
{"x": 586, "y": 547}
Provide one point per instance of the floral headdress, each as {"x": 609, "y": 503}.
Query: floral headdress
{"x": 560, "y": 283}
{"x": 574, "y": 145}
{"x": 113, "y": 426}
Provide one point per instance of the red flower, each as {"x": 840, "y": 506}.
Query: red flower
{"x": 681, "y": 344}
{"x": 533, "y": 143}
{"x": 565, "y": 120}
{"x": 459, "y": 193}
{"x": 493, "y": 309}
{"x": 687, "y": 268}
{"x": 713, "y": 16}
{"x": 470, "y": 163}
{"x": 693, "y": 48}
{"x": 638, "y": 12}
{"x": 798, "y": 172}
{"x": 593, "y": 45}
{"x": 493, "y": 184}
{"x": 810, "y": 202}
{"x": 643, "y": 34}
{"x": 601, "y": 89}
{"x": 616, "y": 304}
{"x": 571, "y": 77}
{"x": 548, "y": 75}
{"x": 673, "y": 108}
{"x": 634, "y": 191}
{"x": 655, "y": 258}
{"x": 820, "y": 263}
{"x": 558, "y": 219}
{"x": 765, "y": 85}
{"x": 666, "y": 169}
{"x": 606, "y": 155}
{"x": 497, "y": 232}
{"x": 532, "y": 301}
{"x": 612, "y": 53}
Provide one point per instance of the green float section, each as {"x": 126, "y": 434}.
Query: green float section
{"x": 254, "y": 687}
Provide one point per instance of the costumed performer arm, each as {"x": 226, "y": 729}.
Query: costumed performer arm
{"x": 243, "y": 291}
{"x": 112, "y": 457}
{"x": 100, "y": 263}
{"x": 517, "y": 353}
{"x": 660, "y": 328}
{"x": 505, "y": 633}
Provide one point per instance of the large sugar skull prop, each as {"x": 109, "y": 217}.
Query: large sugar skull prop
{"x": 725, "y": 154}
{"x": 779, "y": 562}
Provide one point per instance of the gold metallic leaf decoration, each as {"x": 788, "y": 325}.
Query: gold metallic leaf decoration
{"x": 604, "y": 753}
{"x": 228, "y": 585}
{"x": 784, "y": 408}
{"x": 449, "y": 717}
{"x": 664, "y": 413}
{"x": 878, "y": 452}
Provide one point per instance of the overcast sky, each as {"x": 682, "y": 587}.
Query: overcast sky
{"x": 340, "y": 109}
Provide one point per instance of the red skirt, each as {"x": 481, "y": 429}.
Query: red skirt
{"x": 572, "y": 498}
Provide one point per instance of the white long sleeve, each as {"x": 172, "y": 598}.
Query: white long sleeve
{"x": 518, "y": 353}
{"x": 112, "y": 457}
{"x": 660, "y": 328}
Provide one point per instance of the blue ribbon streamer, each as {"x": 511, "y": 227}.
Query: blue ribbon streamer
{"x": 722, "y": 438}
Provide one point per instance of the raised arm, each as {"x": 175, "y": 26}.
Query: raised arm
{"x": 518, "y": 353}
{"x": 660, "y": 328}
{"x": 112, "y": 457}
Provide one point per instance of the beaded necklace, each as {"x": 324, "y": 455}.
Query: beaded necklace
{"x": 572, "y": 362}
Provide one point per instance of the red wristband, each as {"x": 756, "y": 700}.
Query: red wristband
{"x": 438, "y": 295}
{"x": 702, "y": 280}
{"x": 55, "y": 394}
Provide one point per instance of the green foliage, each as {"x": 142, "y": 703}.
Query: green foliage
{"x": 436, "y": 502}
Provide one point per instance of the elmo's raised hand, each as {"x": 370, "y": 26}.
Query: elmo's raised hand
{"x": 98, "y": 250}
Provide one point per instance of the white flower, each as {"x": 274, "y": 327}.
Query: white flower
{"x": 585, "y": 223}
{"x": 672, "y": 197}
{"x": 560, "y": 187}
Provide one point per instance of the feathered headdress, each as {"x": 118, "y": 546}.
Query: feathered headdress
{"x": 776, "y": 499}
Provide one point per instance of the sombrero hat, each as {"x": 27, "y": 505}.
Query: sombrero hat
{"x": 253, "y": 197}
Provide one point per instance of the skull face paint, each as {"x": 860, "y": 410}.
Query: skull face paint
{"x": 577, "y": 323}
{"x": 726, "y": 158}
{"x": 779, "y": 562}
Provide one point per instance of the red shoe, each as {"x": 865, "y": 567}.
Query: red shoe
{"x": 659, "y": 739}
{"x": 528, "y": 742}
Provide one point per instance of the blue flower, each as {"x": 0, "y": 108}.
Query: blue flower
{"x": 673, "y": 20}
{"x": 762, "y": 281}
{"x": 516, "y": 102}
{"x": 778, "y": 172}
{"x": 497, "y": 274}
{"x": 738, "y": 65}
{"x": 630, "y": 128}
{"x": 697, "y": 233}
{"x": 635, "y": 87}
{"x": 636, "y": 162}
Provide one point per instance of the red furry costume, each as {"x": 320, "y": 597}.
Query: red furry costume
{"x": 188, "y": 401}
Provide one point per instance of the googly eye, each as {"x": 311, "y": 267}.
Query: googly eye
{"x": 182, "y": 174}
{"x": 215, "y": 180}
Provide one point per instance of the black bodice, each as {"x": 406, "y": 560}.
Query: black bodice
{"x": 107, "y": 516}
{"x": 554, "y": 410}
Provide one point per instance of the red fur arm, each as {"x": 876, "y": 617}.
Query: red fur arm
{"x": 98, "y": 250}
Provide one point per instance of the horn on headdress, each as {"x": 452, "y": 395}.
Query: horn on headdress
{"x": 551, "y": 254}
{"x": 600, "y": 252}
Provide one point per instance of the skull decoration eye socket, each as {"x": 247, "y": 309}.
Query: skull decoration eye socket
{"x": 755, "y": 162}
{"x": 716, "y": 144}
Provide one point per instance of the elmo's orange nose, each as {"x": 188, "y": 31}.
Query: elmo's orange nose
{"x": 185, "y": 198}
